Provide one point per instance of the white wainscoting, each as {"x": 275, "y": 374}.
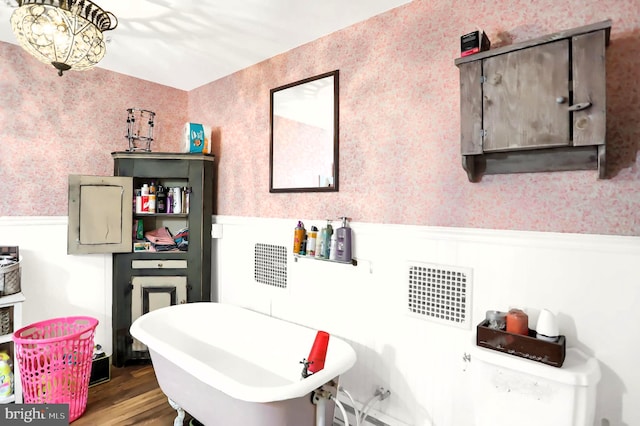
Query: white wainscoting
{"x": 56, "y": 284}
{"x": 592, "y": 282}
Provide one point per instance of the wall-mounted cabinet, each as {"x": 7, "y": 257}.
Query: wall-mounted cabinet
{"x": 536, "y": 106}
{"x": 103, "y": 219}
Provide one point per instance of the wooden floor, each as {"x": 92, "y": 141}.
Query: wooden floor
{"x": 131, "y": 397}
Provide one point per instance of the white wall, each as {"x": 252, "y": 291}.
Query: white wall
{"x": 590, "y": 281}
{"x": 56, "y": 284}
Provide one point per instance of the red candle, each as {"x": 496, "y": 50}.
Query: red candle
{"x": 517, "y": 322}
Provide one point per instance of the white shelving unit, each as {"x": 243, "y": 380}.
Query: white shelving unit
{"x": 14, "y": 300}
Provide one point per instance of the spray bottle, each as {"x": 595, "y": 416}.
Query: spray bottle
{"x": 298, "y": 236}
{"x": 343, "y": 237}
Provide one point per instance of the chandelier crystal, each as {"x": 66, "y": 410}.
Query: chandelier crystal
{"x": 64, "y": 33}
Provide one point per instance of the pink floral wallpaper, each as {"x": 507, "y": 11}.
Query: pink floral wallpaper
{"x": 51, "y": 127}
{"x": 399, "y": 125}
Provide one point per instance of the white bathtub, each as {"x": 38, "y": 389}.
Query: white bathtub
{"x": 226, "y": 365}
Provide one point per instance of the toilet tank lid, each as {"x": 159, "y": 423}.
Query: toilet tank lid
{"x": 578, "y": 369}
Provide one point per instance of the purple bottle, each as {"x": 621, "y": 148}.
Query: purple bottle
{"x": 343, "y": 243}
{"x": 169, "y": 203}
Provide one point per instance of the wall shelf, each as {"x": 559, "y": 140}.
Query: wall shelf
{"x": 353, "y": 262}
{"x": 162, "y": 214}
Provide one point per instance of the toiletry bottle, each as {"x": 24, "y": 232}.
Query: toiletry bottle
{"x": 188, "y": 200}
{"x": 152, "y": 198}
{"x": 138, "y": 201}
{"x": 145, "y": 198}
{"x": 303, "y": 246}
{"x": 343, "y": 236}
{"x": 311, "y": 241}
{"x": 327, "y": 240}
{"x": 140, "y": 230}
{"x": 184, "y": 199}
{"x": 298, "y": 236}
{"x": 169, "y": 205}
{"x": 161, "y": 200}
{"x": 177, "y": 200}
{"x": 320, "y": 243}
{"x": 332, "y": 247}
{"x": 6, "y": 375}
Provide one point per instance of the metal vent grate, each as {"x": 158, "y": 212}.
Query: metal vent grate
{"x": 271, "y": 265}
{"x": 440, "y": 293}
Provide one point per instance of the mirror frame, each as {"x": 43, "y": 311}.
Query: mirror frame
{"x": 336, "y": 116}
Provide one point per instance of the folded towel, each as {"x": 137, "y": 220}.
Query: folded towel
{"x": 161, "y": 239}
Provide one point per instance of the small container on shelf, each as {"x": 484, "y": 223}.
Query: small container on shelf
{"x": 517, "y": 322}
{"x": 497, "y": 320}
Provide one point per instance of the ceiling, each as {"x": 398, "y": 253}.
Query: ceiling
{"x": 188, "y": 43}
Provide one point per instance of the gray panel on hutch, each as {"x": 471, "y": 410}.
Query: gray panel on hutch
{"x": 536, "y": 106}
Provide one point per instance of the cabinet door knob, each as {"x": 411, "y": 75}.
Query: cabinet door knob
{"x": 561, "y": 99}
{"x": 580, "y": 106}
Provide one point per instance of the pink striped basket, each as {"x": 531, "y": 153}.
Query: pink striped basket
{"x": 54, "y": 357}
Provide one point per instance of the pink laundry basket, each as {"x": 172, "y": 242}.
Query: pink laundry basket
{"x": 54, "y": 357}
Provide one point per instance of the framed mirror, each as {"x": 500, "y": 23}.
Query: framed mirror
{"x": 304, "y": 135}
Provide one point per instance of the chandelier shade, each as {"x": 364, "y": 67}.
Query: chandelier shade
{"x": 64, "y": 33}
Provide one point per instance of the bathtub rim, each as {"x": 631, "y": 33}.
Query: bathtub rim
{"x": 228, "y": 385}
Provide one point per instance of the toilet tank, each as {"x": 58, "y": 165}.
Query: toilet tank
{"x": 508, "y": 390}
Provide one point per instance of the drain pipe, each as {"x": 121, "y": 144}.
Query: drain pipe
{"x": 320, "y": 398}
{"x": 321, "y": 413}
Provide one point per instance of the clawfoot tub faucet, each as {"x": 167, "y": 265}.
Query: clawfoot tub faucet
{"x": 305, "y": 369}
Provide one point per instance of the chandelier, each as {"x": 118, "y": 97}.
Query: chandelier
{"x": 64, "y": 33}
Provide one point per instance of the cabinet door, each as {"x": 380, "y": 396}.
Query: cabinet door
{"x": 154, "y": 292}
{"x": 589, "y": 87}
{"x": 471, "y": 108}
{"x": 525, "y": 98}
{"x": 100, "y": 209}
